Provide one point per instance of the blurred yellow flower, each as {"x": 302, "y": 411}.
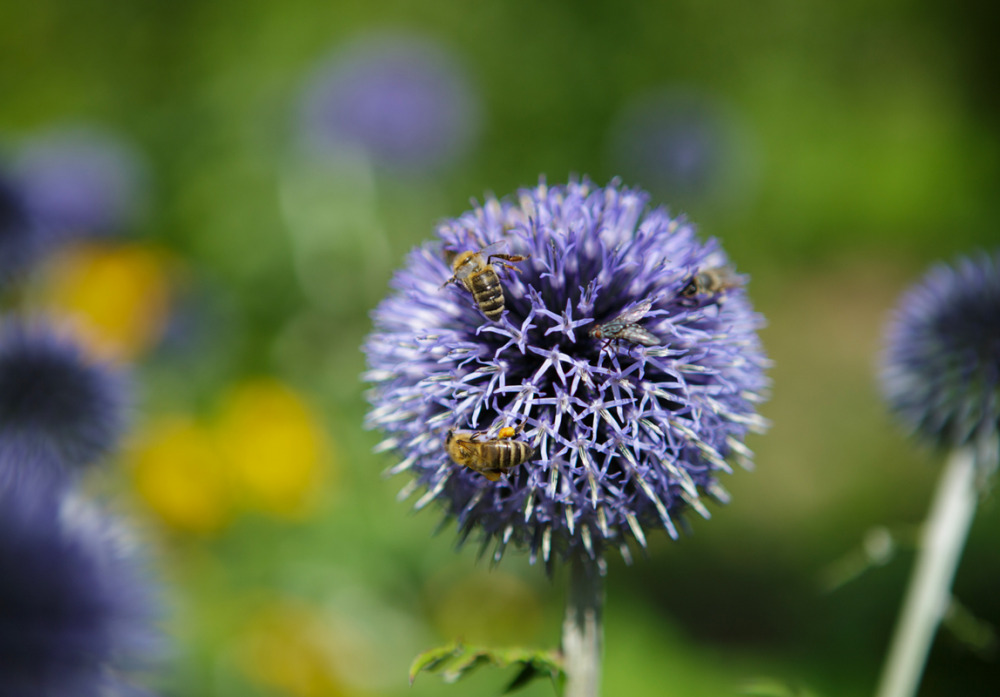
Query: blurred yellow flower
{"x": 118, "y": 295}
{"x": 273, "y": 445}
{"x": 288, "y": 647}
{"x": 181, "y": 475}
{"x": 492, "y": 608}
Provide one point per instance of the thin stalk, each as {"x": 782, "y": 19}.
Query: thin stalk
{"x": 929, "y": 593}
{"x": 583, "y": 629}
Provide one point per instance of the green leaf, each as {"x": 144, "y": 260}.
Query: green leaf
{"x": 770, "y": 687}
{"x": 456, "y": 660}
{"x": 975, "y": 634}
{"x": 527, "y": 674}
{"x": 433, "y": 659}
{"x": 463, "y": 664}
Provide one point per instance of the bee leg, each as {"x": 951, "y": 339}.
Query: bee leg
{"x": 453, "y": 279}
{"x": 492, "y": 475}
{"x": 507, "y": 432}
{"x": 506, "y": 258}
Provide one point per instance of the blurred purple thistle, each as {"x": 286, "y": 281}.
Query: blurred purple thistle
{"x": 941, "y": 377}
{"x": 81, "y": 180}
{"x": 76, "y": 609}
{"x": 941, "y": 368}
{"x": 403, "y": 99}
{"x": 23, "y": 239}
{"x": 56, "y": 405}
{"x": 624, "y": 439}
{"x": 685, "y": 142}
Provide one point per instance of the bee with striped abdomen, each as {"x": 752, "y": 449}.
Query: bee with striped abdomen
{"x": 489, "y": 457}
{"x": 478, "y": 276}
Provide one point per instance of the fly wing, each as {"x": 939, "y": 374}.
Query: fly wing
{"x": 633, "y": 314}
{"x": 639, "y": 335}
{"x": 613, "y": 327}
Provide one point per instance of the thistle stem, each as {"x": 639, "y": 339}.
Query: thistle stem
{"x": 582, "y": 638}
{"x": 929, "y": 593}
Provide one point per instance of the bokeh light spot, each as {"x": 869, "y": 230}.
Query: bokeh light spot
{"x": 273, "y": 445}
{"x": 119, "y": 296}
{"x": 181, "y": 476}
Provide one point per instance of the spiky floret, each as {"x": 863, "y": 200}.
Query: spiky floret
{"x": 625, "y": 436}
{"x": 76, "y": 608}
{"x": 56, "y": 405}
{"x": 941, "y": 365}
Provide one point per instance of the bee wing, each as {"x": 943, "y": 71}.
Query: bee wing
{"x": 497, "y": 246}
{"x": 465, "y": 270}
{"x": 729, "y": 277}
{"x": 718, "y": 278}
{"x": 467, "y": 447}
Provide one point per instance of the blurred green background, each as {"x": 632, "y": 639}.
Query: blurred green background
{"x": 857, "y": 142}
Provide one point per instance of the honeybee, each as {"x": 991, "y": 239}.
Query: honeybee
{"x": 480, "y": 278}
{"x": 490, "y": 457}
{"x": 624, "y": 328}
{"x": 711, "y": 282}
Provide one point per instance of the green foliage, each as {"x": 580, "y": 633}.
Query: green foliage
{"x": 770, "y": 687}
{"x": 454, "y": 661}
{"x": 972, "y": 632}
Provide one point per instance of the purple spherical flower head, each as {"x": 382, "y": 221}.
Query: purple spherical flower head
{"x": 625, "y": 435}
{"x": 56, "y": 405}
{"x": 76, "y": 610}
{"x": 81, "y": 180}
{"x": 402, "y": 99}
{"x": 22, "y": 238}
{"x": 941, "y": 367}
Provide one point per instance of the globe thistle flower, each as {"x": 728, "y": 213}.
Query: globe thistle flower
{"x": 403, "y": 99}
{"x": 76, "y": 610}
{"x": 22, "y": 238}
{"x": 81, "y": 180}
{"x": 941, "y": 377}
{"x": 55, "y": 404}
{"x": 941, "y": 367}
{"x": 625, "y": 435}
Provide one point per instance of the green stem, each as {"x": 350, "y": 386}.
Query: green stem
{"x": 930, "y": 585}
{"x": 582, "y": 639}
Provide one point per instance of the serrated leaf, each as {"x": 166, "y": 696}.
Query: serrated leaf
{"x": 456, "y": 660}
{"x": 466, "y": 664}
{"x": 770, "y": 687}
{"x": 527, "y": 674}
{"x": 432, "y": 659}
